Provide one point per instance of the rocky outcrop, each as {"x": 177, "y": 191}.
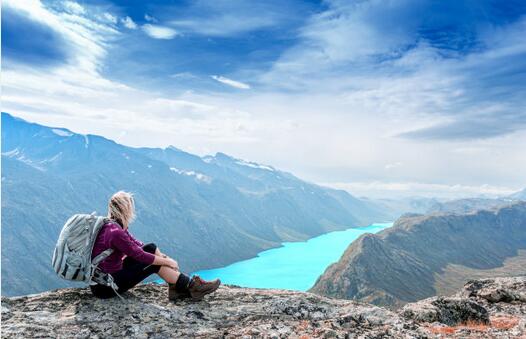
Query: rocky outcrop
{"x": 230, "y": 312}
{"x": 426, "y": 255}
{"x": 496, "y": 307}
{"x": 483, "y": 308}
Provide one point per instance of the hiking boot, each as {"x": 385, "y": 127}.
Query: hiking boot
{"x": 174, "y": 295}
{"x": 198, "y": 287}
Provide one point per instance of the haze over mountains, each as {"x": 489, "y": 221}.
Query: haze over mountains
{"x": 206, "y": 212}
{"x": 425, "y": 255}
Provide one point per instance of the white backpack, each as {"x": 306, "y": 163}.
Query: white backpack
{"x": 72, "y": 255}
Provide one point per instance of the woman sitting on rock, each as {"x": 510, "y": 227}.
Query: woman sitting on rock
{"x": 132, "y": 261}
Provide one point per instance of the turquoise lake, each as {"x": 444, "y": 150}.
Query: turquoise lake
{"x": 294, "y": 266}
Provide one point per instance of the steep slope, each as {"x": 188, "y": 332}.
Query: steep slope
{"x": 425, "y": 254}
{"x": 468, "y": 205}
{"x": 205, "y": 212}
{"x": 521, "y": 195}
{"x": 397, "y": 207}
{"x": 488, "y": 308}
{"x": 260, "y": 180}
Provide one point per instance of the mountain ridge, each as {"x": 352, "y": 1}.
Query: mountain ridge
{"x": 416, "y": 257}
{"x": 205, "y": 214}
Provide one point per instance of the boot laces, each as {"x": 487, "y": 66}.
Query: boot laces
{"x": 199, "y": 280}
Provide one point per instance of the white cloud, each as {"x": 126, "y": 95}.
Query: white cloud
{"x": 110, "y": 18}
{"x": 377, "y": 189}
{"x": 232, "y": 18}
{"x": 74, "y": 7}
{"x": 336, "y": 126}
{"x": 393, "y": 165}
{"x": 184, "y": 75}
{"x": 129, "y": 23}
{"x": 149, "y": 18}
{"x": 159, "y": 32}
{"x": 87, "y": 38}
{"x": 181, "y": 107}
{"x": 230, "y": 82}
{"x": 223, "y": 26}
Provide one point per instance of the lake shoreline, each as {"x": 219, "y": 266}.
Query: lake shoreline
{"x": 293, "y": 265}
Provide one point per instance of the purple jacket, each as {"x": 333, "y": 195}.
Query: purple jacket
{"x": 111, "y": 235}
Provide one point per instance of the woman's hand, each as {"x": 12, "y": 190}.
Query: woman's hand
{"x": 164, "y": 260}
{"x": 171, "y": 263}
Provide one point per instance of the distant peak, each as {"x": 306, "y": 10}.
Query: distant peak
{"x": 221, "y": 155}
{"x": 62, "y": 132}
{"x": 208, "y": 159}
{"x": 173, "y": 148}
{"x": 6, "y": 115}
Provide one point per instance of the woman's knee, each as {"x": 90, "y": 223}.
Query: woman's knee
{"x": 150, "y": 248}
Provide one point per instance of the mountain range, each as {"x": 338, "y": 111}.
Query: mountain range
{"x": 204, "y": 211}
{"x": 427, "y": 255}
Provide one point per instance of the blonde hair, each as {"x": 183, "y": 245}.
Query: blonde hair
{"x": 121, "y": 208}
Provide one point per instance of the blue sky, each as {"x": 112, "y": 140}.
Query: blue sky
{"x": 379, "y": 97}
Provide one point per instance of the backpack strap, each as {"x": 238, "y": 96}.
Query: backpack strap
{"x": 104, "y": 254}
{"x": 99, "y": 277}
{"x": 101, "y": 256}
{"x": 106, "y": 279}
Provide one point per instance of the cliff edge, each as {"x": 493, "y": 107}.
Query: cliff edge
{"x": 491, "y": 307}
{"x": 427, "y": 255}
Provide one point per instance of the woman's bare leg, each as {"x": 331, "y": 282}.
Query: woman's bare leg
{"x": 169, "y": 274}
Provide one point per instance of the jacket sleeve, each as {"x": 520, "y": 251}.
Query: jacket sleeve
{"x": 137, "y": 242}
{"x": 121, "y": 241}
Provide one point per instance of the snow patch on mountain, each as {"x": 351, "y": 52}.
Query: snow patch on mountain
{"x": 12, "y": 153}
{"x": 18, "y": 155}
{"x": 53, "y": 158}
{"x": 197, "y": 175}
{"x": 61, "y": 132}
{"x": 254, "y": 165}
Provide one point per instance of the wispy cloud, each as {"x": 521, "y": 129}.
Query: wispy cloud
{"x": 230, "y": 82}
{"x": 383, "y": 190}
{"x": 86, "y": 37}
{"x": 441, "y": 73}
{"x": 393, "y": 165}
{"x": 129, "y": 23}
{"x": 149, "y": 18}
{"x": 110, "y": 18}
{"x": 74, "y": 7}
{"x": 159, "y": 32}
{"x": 364, "y": 92}
{"x": 183, "y": 75}
{"x": 231, "y": 18}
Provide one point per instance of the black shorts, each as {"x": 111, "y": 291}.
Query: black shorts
{"x": 132, "y": 273}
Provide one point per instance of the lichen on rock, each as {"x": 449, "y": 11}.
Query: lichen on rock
{"x": 235, "y": 312}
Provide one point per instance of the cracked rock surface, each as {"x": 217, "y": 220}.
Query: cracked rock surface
{"x": 234, "y": 312}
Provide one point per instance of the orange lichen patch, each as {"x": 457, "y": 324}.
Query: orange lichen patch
{"x": 475, "y": 326}
{"x": 503, "y": 322}
{"x": 302, "y": 326}
{"x": 441, "y": 329}
{"x": 470, "y": 325}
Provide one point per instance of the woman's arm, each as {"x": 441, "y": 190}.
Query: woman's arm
{"x": 162, "y": 260}
{"x": 137, "y": 242}
{"x": 121, "y": 241}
